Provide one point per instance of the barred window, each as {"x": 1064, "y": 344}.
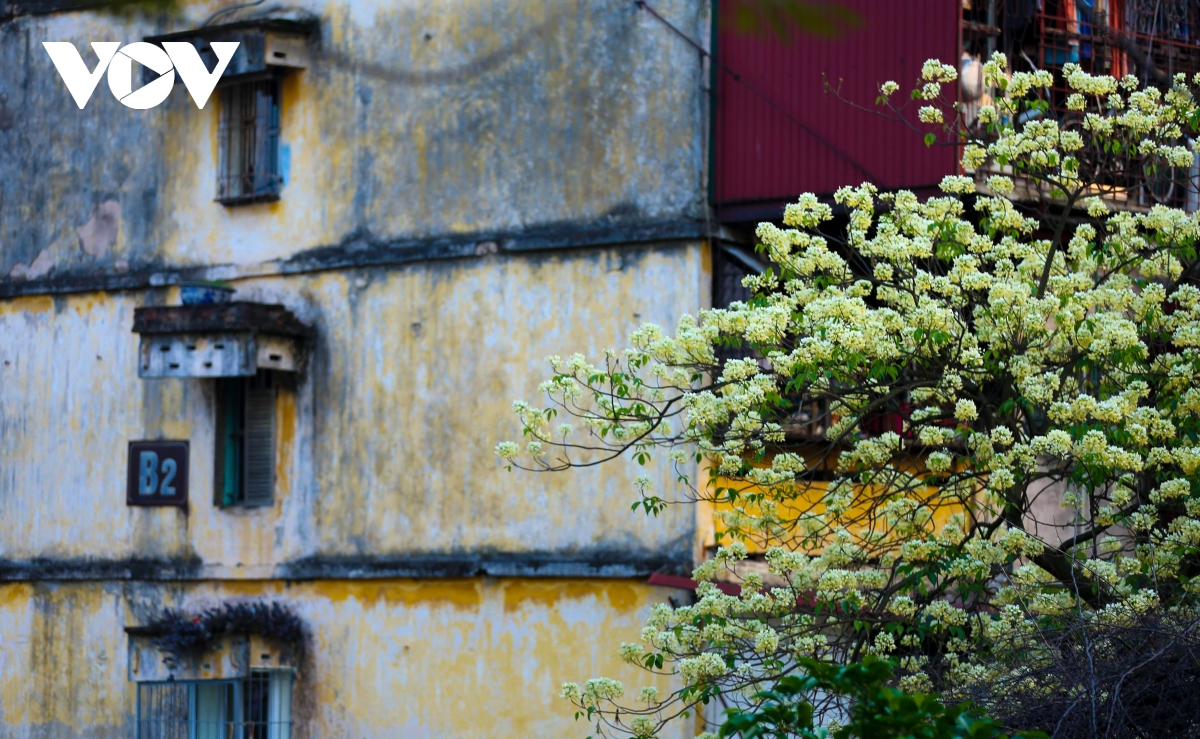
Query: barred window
{"x": 257, "y": 707}
{"x": 248, "y": 143}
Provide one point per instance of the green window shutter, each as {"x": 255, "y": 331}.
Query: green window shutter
{"x": 231, "y": 392}
{"x": 258, "y": 473}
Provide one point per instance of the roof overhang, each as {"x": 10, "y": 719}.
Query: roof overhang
{"x": 218, "y": 340}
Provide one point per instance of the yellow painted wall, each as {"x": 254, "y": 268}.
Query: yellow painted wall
{"x": 413, "y": 119}
{"x": 384, "y": 447}
{"x": 392, "y": 658}
{"x": 803, "y": 499}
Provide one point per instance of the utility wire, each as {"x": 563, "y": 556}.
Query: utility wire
{"x": 765, "y": 97}
{"x": 230, "y": 9}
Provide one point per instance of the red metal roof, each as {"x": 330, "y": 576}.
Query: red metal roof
{"x": 687, "y": 583}
{"x": 777, "y": 132}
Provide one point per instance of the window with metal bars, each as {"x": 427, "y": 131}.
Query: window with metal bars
{"x": 245, "y": 459}
{"x": 248, "y": 143}
{"x": 1102, "y": 37}
{"x": 256, "y": 707}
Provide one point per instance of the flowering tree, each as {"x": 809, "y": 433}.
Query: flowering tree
{"x": 1027, "y": 336}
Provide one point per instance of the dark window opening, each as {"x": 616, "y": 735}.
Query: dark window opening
{"x": 808, "y": 419}
{"x": 731, "y": 265}
{"x": 245, "y": 458}
{"x": 248, "y": 143}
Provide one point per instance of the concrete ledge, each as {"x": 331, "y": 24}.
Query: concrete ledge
{"x": 46, "y": 568}
{"x": 364, "y": 250}
{"x": 595, "y": 563}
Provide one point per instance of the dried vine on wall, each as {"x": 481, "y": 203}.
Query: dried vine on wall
{"x": 182, "y": 636}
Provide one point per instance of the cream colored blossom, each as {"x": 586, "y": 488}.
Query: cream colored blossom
{"x": 911, "y": 388}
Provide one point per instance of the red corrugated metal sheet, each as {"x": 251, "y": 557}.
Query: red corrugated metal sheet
{"x": 777, "y": 133}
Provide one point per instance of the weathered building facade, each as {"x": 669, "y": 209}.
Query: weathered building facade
{"x": 415, "y": 203}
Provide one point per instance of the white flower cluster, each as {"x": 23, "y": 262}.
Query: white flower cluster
{"x": 950, "y": 359}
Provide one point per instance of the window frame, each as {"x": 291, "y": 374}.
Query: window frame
{"x": 255, "y": 176}
{"x": 277, "y": 723}
{"x": 244, "y": 440}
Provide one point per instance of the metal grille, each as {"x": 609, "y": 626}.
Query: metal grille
{"x": 1102, "y": 37}
{"x": 1068, "y": 31}
{"x": 249, "y": 143}
{"x": 1174, "y": 20}
{"x": 257, "y": 707}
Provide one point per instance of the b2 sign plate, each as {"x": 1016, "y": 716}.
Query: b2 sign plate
{"x": 158, "y": 473}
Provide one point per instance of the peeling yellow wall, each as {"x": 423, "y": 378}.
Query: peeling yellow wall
{"x": 384, "y": 445}
{"x": 412, "y": 120}
{"x": 391, "y": 658}
{"x": 384, "y": 448}
{"x": 794, "y": 502}
{"x": 415, "y": 121}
